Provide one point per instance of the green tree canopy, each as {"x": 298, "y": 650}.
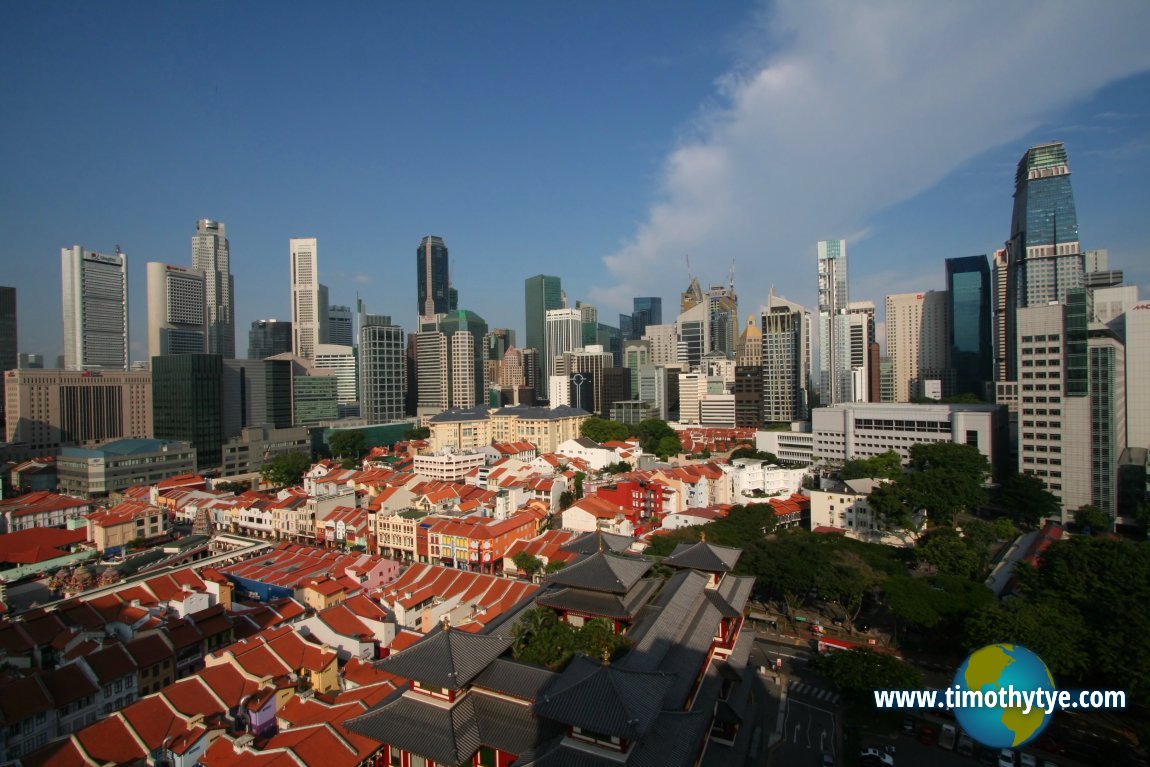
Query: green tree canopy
{"x": 286, "y": 469}
{"x": 651, "y": 431}
{"x": 1025, "y": 497}
{"x": 348, "y": 443}
{"x": 858, "y": 672}
{"x": 528, "y": 563}
{"x": 604, "y": 430}
{"x": 1091, "y": 518}
{"x": 668, "y": 446}
{"x": 418, "y": 432}
{"x": 888, "y": 465}
{"x": 749, "y": 452}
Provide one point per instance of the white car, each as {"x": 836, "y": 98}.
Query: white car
{"x": 1027, "y": 760}
{"x": 1006, "y": 758}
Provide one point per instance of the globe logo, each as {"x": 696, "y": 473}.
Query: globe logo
{"x": 994, "y": 669}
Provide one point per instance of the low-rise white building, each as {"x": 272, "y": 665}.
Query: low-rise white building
{"x": 845, "y": 507}
{"x": 448, "y": 464}
{"x": 794, "y": 446}
{"x": 751, "y": 478}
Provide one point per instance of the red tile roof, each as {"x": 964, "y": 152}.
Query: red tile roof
{"x": 42, "y": 501}
{"x": 38, "y": 544}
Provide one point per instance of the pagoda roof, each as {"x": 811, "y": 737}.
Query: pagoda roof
{"x": 704, "y": 556}
{"x": 602, "y": 571}
{"x": 449, "y": 658}
{"x": 605, "y": 698}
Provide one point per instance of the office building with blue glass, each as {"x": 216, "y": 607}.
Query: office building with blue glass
{"x": 968, "y": 323}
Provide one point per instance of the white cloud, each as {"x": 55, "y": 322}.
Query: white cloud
{"x": 852, "y": 108}
{"x": 361, "y": 279}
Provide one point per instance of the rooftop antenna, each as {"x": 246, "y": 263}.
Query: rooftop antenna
{"x": 731, "y": 277}
{"x": 689, "y": 275}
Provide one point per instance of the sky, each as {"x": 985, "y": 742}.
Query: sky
{"x": 605, "y": 143}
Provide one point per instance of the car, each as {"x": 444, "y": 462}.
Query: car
{"x": 873, "y": 756}
{"x": 908, "y": 726}
{"x": 988, "y": 757}
{"x": 947, "y": 737}
{"x": 828, "y": 759}
{"x": 1006, "y": 758}
{"x": 928, "y": 734}
{"x": 965, "y": 745}
{"x": 1027, "y": 760}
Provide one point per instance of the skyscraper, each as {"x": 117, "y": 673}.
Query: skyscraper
{"x": 916, "y": 342}
{"x": 187, "y": 404}
{"x": 450, "y": 355}
{"x": 177, "y": 315}
{"x": 564, "y": 334}
{"x": 340, "y": 330}
{"x": 1043, "y": 255}
{"x": 724, "y": 320}
{"x": 786, "y": 356}
{"x": 268, "y": 338}
{"x": 341, "y": 361}
{"x": 382, "y": 369}
{"x": 433, "y": 277}
{"x": 968, "y": 323}
{"x": 834, "y": 351}
{"x": 646, "y": 310}
{"x": 541, "y": 294}
{"x": 95, "y": 301}
{"x": 308, "y": 302}
{"x": 210, "y": 255}
{"x": 8, "y": 353}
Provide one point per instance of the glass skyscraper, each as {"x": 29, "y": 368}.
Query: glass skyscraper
{"x": 968, "y": 325}
{"x": 433, "y": 277}
{"x": 835, "y": 384}
{"x": 541, "y": 294}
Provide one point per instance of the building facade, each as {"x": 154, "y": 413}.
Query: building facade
{"x": 968, "y": 324}
{"x": 382, "y": 370}
{"x": 211, "y": 256}
{"x": 50, "y": 408}
{"x": 433, "y": 278}
{"x": 917, "y": 341}
{"x": 268, "y": 338}
{"x": 786, "y": 355}
{"x": 308, "y": 298}
{"x": 834, "y": 353}
{"x": 95, "y": 302}
{"x": 541, "y": 294}
{"x": 177, "y": 313}
{"x": 113, "y": 467}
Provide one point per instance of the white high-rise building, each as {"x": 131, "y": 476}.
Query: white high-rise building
{"x": 177, "y": 316}
{"x": 564, "y": 333}
{"x": 916, "y": 341}
{"x": 308, "y": 298}
{"x": 664, "y": 342}
{"x": 1138, "y": 375}
{"x": 835, "y": 383}
{"x": 95, "y": 303}
{"x": 211, "y": 256}
{"x": 382, "y": 369}
{"x": 786, "y": 329}
{"x": 341, "y": 360}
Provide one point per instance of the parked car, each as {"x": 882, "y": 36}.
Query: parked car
{"x": 928, "y": 734}
{"x": 1027, "y": 760}
{"x": 947, "y": 737}
{"x": 1006, "y": 758}
{"x": 965, "y": 745}
{"x": 908, "y": 726}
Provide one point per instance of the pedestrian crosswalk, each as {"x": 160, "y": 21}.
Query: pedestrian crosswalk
{"x": 796, "y": 687}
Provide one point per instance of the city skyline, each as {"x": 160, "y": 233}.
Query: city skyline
{"x": 638, "y": 191}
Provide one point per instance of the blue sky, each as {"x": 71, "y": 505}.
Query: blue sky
{"x": 601, "y": 142}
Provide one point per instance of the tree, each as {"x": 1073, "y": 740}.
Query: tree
{"x": 1091, "y": 519}
{"x": 418, "y": 432}
{"x": 1004, "y": 529}
{"x": 529, "y": 564}
{"x": 945, "y": 550}
{"x": 286, "y": 469}
{"x": 554, "y": 566}
{"x": 668, "y": 446}
{"x": 579, "y": 477}
{"x": 889, "y": 503}
{"x": 750, "y": 452}
{"x": 566, "y": 498}
{"x": 912, "y": 601}
{"x": 348, "y": 443}
{"x": 651, "y": 431}
{"x": 858, "y": 672}
{"x": 604, "y": 430}
{"x": 947, "y": 478}
{"x": 888, "y": 465}
{"x": 1025, "y": 497}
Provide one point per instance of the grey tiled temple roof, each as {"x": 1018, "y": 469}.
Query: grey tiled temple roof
{"x": 602, "y": 571}
{"x": 704, "y": 556}
{"x": 605, "y": 698}
{"x": 447, "y": 658}
{"x": 515, "y": 678}
{"x": 621, "y": 606}
{"x": 588, "y": 543}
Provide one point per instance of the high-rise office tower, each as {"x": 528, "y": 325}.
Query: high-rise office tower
{"x": 636, "y": 354}
{"x": 341, "y": 361}
{"x": 1108, "y": 414}
{"x": 450, "y": 357}
{"x": 1002, "y": 312}
{"x": 1044, "y": 257}
{"x": 382, "y": 369}
{"x": 564, "y": 333}
{"x": 749, "y": 349}
{"x": 693, "y": 330}
{"x": 95, "y": 300}
{"x": 1137, "y": 332}
{"x": 862, "y": 322}
{"x": 835, "y": 382}
{"x": 9, "y": 359}
{"x": 692, "y": 296}
{"x": 786, "y": 356}
{"x": 433, "y": 277}
{"x": 340, "y": 330}
{"x": 9, "y": 356}
{"x": 646, "y": 310}
{"x": 968, "y": 324}
{"x": 210, "y": 255}
{"x": 268, "y": 338}
{"x": 724, "y": 319}
{"x": 541, "y": 294}
{"x": 917, "y": 342}
{"x": 308, "y": 298}
{"x": 590, "y": 362}
{"x": 187, "y": 403}
{"x": 664, "y": 341}
{"x": 177, "y": 312}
